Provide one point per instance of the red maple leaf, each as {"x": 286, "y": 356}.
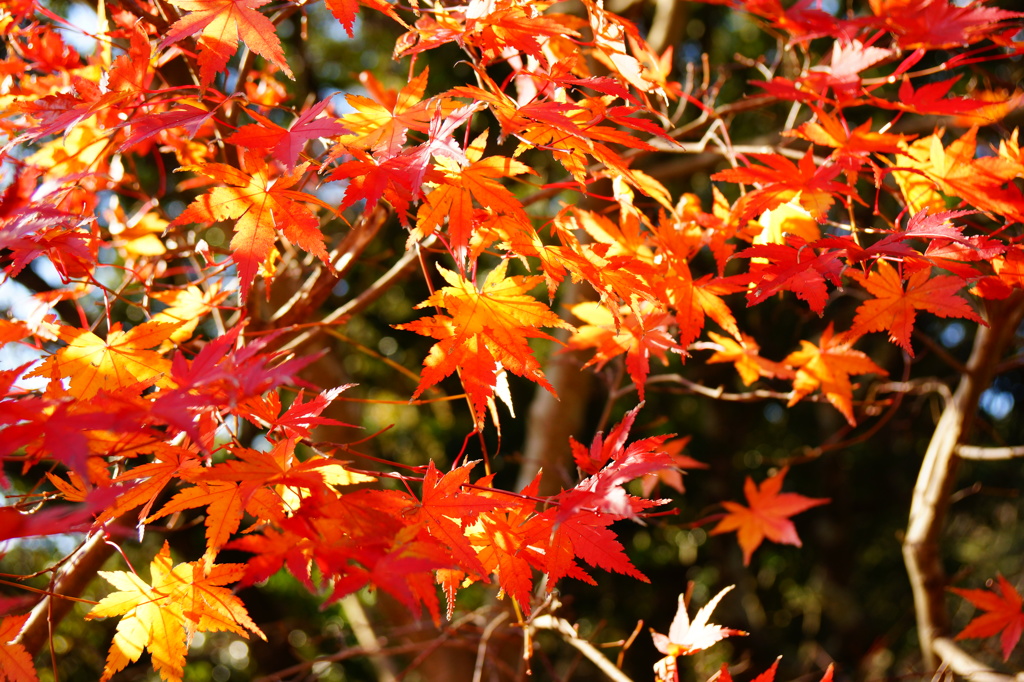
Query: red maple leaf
{"x": 603, "y": 491}
{"x": 767, "y": 516}
{"x": 287, "y": 144}
{"x": 782, "y": 180}
{"x": 795, "y": 267}
{"x": 1002, "y": 604}
{"x": 937, "y": 24}
{"x": 447, "y": 509}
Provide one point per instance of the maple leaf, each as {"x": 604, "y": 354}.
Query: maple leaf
{"x": 673, "y": 477}
{"x": 260, "y": 204}
{"x": 94, "y": 364}
{"x": 287, "y": 144}
{"x": 929, "y": 98}
{"x": 15, "y": 661}
{"x": 782, "y": 180}
{"x": 603, "y": 492}
{"x": 223, "y": 23}
{"x": 503, "y": 542}
{"x": 893, "y": 308}
{"x": 1002, "y": 604}
{"x": 584, "y": 535}
{"x": 161, "y": 616}
{"x": 487, "y": 331}
{"x": 299, "y": 419}
{"x": 685, "y": 638}
{"x": 745, "y": 354}
{"x": 447, "y": 509}
{"x": 639, "y": 339}
{"x": 937, "y": 24}
{"x": 828, "y": 366}
{"x": 769, "y": 674}
{"x": 55, "y": 520}
{"x": 695, "y": 300}
{"x": 268, "y": 485}
{"x": 767, "y": 516}
{"x": 168, "y": 463}
{"x": 852, "y": 147}
{"x": 458, "y": 185}
{"x": 794, "y": 266}
{"x": 381, "y": 123}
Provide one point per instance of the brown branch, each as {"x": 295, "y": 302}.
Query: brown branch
{"x": 401, "y": 268}
{"x": 937, "y": 474}
{"x": 74, "y": 576}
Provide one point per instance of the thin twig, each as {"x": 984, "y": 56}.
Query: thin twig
{"x": 363, "y": 300}
{"x": 962, "y": 663}
{"x": 564, "y": 628}
{"x": 977, "y": 452}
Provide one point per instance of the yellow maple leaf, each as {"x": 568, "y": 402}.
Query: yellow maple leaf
{"x": 486, "y": 331}
{"x": 162, "y": 617}
{"x": 93, "y": 364}
{"x": 186, "y": 307}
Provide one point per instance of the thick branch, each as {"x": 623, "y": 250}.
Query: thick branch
{"x": 936, "y": 477}
{"x": 74, "y": 577}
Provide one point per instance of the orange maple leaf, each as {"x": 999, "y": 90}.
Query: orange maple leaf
{"x": 828, "y": 366}
{"x": 767, "y": 516}
{"x": 457, "y": 187}
{"x": 639, "y": 338}
{"x": 260, "y": 204}
{"x": 15, "y": 661}
{"x": 1003, "y": 606}
{"x": 487, "y": 331}
{"x": 163, "y": 616}
{"x": 223, "y": 23}
{"x": 745, "y": 354}
{"x": 94, "y": 364}
{"x": 893, "y": 309}
{"x": 381, "y": 123}
{"x": 852, "y": 147}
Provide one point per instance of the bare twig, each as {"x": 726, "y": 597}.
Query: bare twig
{"x": 960, "y": 662}
{"x": 367, "y": 638}
{"x": 401, "y": 268}
{"x": 977, "y": 452}
{"x": 564, "y": 628}
{"x": 481, "y": 651}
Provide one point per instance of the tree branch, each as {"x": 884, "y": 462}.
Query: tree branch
{"x": 937, "y": 474}
{"x": 977, "y": 452}
{"x": 569, "y": 634}
{"x": 962, "y": 663}
{"x": 74, "y": 577}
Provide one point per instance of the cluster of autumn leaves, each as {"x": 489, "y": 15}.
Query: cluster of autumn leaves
{"x": 131, "y": 413}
